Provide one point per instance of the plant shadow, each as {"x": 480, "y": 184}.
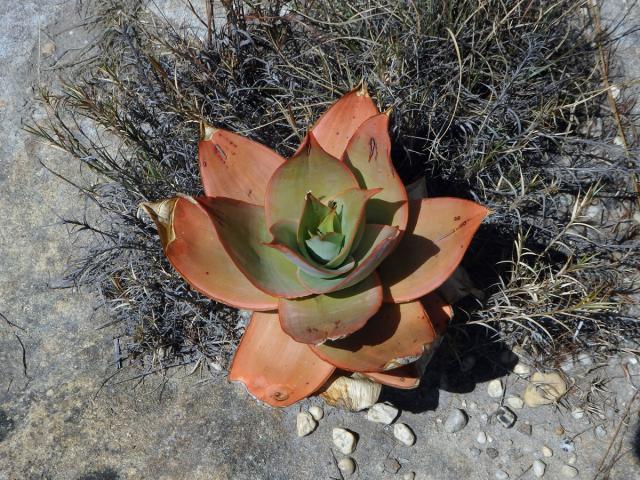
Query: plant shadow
{"x": 452, "y": 369}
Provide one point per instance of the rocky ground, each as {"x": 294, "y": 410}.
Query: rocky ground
{"x": 59, "y": 421}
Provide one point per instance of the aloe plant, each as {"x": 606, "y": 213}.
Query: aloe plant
{"x": 339, "y": 266}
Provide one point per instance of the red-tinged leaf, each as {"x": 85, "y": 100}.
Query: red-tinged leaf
{"x": 243, "y": 233}
{"x": 368, "y": 154}
{"x": 337, "y": 125}
{"x": 318, "y": 318}
{"x": 406, "y": 377}
{"x": 397, "y": 335}
{"x": 234, "y": 166}
{"x": 376, "y": 243}
{"x": 310, "y": 170}
{"x": 276, "y": 369}
{"x": 438, "y": 234}
{"x": 285, "y": 240}
{"x": 191, "y": 244}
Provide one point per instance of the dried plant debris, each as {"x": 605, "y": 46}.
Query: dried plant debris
{"x": 502, "y": 102}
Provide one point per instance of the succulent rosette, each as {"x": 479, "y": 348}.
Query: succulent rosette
{"x": 339, "y": 266}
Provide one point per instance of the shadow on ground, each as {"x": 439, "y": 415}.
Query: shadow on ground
{"x": 452, "y": 370}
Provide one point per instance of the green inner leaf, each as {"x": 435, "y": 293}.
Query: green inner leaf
{"x": 325, "y": 247}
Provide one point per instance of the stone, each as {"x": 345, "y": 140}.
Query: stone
{"x": 577, "y": 413}
{"x": 305, "y": 424}
{"x": 409, "y": 476}
{"x": 525, "y": 429}
{"x": 344, "y": 440}
{"x": 316, "y": 412}
{"x": 547, "y": 452}
{"x": 351, "y": 393}
{"x": 600, "y": 432}
{"x": 481, "y": 438}
{"x": 467, "y": 363}
{"x": 539, "y": 468}
{"x": 404, "y": 434}
{"x": 544, "y": 389}
{"x": 382, "y": 413}
{"x": 474, "y": 451}
{"x": 515, "y": 402}
{"x": 495, "y": 388}
{"x": 572, "y": 459}
{"x": 501, "y": 475}
{"x": 566, "y": 445}
{"x": 506, "y": 417}
{"x": 347, "y": 466}
{"x": 569, "y": 471}
{"x": 456, "y": 421}
{"x": 585, "y": 359}
{"x": 48, "y": 48}
{"x": 391, "y": 465}
{"x": 492, "y": 452}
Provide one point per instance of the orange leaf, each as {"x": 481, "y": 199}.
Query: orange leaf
{"x": 316, "y": 318}
{"x": 337, "y": 125}
{"x": 438, "y": 234}
{"x": 276, "y": 369}
{"x": 405, "y": 377}
{"x": 234, "y": 166}
{"x": 397, "y": 335}
{"x": 368, "y": 155}
{"x": 192, "y": 246}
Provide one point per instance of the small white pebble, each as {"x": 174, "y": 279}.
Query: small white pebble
{"x": 515, "y": 402}
{"x": 305, "y": 424}
{"x": 501, "y": 475}
{"x": 473, "y": 405}
{"x": 547, "y": 452}
{"x": 404, "y": 434}
{"x": 344, "y": 440}
{"x": 495, "y": 388}
{"x": 316, "y": 412}
{"x": 577, "y": 413}
{"x": 521, "y": 369}
{"x": 409, "y": 476}
{"x": 456, "y": 421}
{"x": 572, "y": 459}
{"x": 347, "y": 466}
{"x": 569, "y": 471}
{"x": 618, "y": 141}
{"x": 615, "y": 92}
{"x": 463, "y": 404}
{"x": 600, "y": 432}
{"x": 382, "y": 413}
{"x": 481, "y": 438}
{"x": 489, "y": 439}
{"x": 538, "y": 468}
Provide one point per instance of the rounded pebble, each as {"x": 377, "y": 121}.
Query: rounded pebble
{"x": 547, "y": 452}
{"x": 316, "y": 412}
{"x": 391, "y": 465}
{"x": 409, "y": 476}
{"x": 467, "y": 363}
{"x": 506, "y": 417}
{"x": 456, "y": 421}
{"x": 572, "y": 459}
{"x": 515, "y": 402}
{"x": 382, "y": 413}
{"x": 404, "y": 434}
{"x": 495, "y": 388}
{"x": 347, "y": 466}
{"x": 474, "y": 452}
{"x": 344, "y": 440}
{"x": 481, "y": 438}
{"x": 569, "y": 471}
{"x": 492, "y": 452}
{"x": 577, "y": 413}
{"x": 600, "y": 432}
{"x": 305, "y": 424}
{"x": 521, "y": 369}
{"x": 539, "y": 468}
{"x": 501, "y": 475}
